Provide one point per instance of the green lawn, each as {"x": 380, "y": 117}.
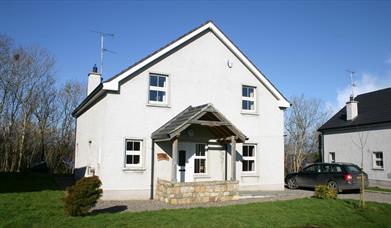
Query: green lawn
{"x": 34, "y": 206}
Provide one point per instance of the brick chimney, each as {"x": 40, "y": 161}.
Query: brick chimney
{"x": 94, "y": 79}
{"x": 351, "y": 109}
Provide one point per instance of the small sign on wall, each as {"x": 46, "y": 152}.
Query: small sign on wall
{"x": 162, "y": 157}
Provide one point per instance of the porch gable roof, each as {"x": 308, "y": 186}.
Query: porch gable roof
{"x": 218, "y": 124}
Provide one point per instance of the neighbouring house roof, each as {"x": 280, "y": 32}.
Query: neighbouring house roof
{"x": 113, "y": 83}
{"x": 205, "y": 115}
{"x": 373, "y": 108}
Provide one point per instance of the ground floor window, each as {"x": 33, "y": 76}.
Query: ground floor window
{"x": 248, "y": 160}
{"x": 378, "y": 160}
{"x": 332, "y": 157}
{"x": 200, "y": 159}
{"x": 133, "y": 150}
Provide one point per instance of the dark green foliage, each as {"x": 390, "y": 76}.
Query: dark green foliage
{"x": 325, "y": 192}
{"x": 82, "y": 196}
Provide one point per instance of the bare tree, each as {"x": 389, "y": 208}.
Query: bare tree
{"x": 35, "y": 116}
{"x": 302, "y": 122}
{"x": 361, "y": 143}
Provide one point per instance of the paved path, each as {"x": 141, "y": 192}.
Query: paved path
{"x": 245, "y": 198}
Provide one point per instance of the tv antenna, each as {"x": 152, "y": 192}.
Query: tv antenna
{"x": 102, "y": 48}
{"x": 352, "y": 84}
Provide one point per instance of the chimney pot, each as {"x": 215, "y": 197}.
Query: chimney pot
{"x": 95, "y": 69}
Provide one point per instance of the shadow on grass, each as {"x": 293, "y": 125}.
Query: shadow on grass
{"x": 27, "y": 182}
{"x": 110, "y": 210}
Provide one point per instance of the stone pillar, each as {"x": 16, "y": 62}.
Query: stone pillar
{"x": 233, "y": 158}
{"x": 174, "y": 161}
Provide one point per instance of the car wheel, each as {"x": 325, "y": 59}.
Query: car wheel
{"x": 292, "y": 183}
{"x": 333, "y": 185}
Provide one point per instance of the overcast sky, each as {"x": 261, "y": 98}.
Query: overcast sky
{"x": 302, "y": 47}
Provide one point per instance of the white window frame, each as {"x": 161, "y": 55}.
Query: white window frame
{"x": 331, "y": 160}
{"x": 205, "y": 157}
{"x": 134, "y": 152}
{"x": 374, "y": 160}
{"x": 250, "y": 158}
{"x": 158, "y": 88}
{"x": 253, "y": 99}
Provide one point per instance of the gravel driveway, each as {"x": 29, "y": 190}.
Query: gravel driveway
{"x": 245, "y": 198}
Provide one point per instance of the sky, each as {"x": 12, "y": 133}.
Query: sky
{"x": 303, "y": 47}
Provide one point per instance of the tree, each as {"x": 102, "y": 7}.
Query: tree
{"x": 361, "y": 143}
{"x": 302, "y": 121}
{"x": 35, "y": 116}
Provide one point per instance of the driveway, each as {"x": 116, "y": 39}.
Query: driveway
{"x": 245, "y": 198}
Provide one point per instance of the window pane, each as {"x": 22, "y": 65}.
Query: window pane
{"x": 379, "y": 155}
{"x": 153, "y": 80}
{"x": 244, "y": 91}
{"x": 251, "y": 151}
{"x": 129, "y": 159}
{"x": 162, "y": 81}
{"x": 251, "y": 166}
{"x": 200, "y": 150}
{"x": 245, "y": 151}
{"x": 196, "y": 165}
{"x": 136, "y": 146}
{"x": 245, "y": 165}
{"x": 245, "y": 105}
{"x": 129, "y": 145}
{"x": 136, "y": 159}
{"x": 153, "y": 95}
{"x": 252, "y": 107}
{"x": 250, "y": 92}
{"x": 161, "y": 96}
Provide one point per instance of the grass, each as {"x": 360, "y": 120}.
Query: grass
{"x": 377, "y": 189}
{"x": 36, "y": 202}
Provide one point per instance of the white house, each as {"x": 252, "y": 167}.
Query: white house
{"x": 177, "y": 115}
{"x": 362, "y": 129}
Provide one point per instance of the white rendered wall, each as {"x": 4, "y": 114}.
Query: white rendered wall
{"x": 347, "y": 149}
{"x": 198, "y": 74}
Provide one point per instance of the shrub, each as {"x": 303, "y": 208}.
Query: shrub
{"x": 82, "y": 196}
{"x": 325, "y": 192}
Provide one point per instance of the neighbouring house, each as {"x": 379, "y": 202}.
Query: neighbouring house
{"x": 195, "y": 117}
{"x": 362, "y": 129}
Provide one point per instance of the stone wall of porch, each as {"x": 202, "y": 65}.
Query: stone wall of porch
{"x": 196, "y": 192}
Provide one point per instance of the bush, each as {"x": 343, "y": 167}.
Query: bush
{"x": 82, "y": 196}
{"x": 325, "y": 192}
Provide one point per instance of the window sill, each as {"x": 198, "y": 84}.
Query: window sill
{"x": 378, "y": 169}
{"x": 249, "y": 113}
{"x": 127, "y": 169}
{"x": 158, "y": 105}
{"x": 201, "y": 176}
{"x": 249, "y": 175}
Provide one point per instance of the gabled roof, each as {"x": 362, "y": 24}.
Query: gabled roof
{"x": 113, "y": 83}
{"x": 373, "y": 108}
{"x": 218, "y": 124}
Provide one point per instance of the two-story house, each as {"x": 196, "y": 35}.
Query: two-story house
{"x": 361, "y": 132}
{"x": 196, "y": 110}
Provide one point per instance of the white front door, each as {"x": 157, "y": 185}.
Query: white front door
{"x": 185, "y": 168}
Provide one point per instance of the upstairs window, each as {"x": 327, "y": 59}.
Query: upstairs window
{"x": 158, "y": 88}
{"x": 248, "y": 158}
{"x": 378, "y": 160}
{"x": 133, "y": 150}
{"x": 248, "y": 98}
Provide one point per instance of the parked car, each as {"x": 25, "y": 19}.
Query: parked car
{"x": 340, "y": 176}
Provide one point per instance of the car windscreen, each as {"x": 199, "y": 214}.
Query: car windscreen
{"x": 352, "y": 169}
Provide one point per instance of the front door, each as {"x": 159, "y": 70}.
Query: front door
{"x": 185, "y": 168}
